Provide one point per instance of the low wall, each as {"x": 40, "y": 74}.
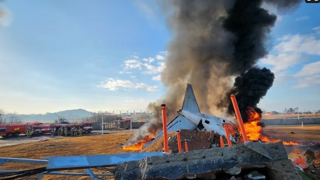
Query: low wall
{"x": 291, "y": 121}
{"x": 135, "y": 125}
{"x": 116, "y": 125}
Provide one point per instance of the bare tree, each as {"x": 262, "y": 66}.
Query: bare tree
{"x": 2, "y": 119}
{"x": 13, "y": 119}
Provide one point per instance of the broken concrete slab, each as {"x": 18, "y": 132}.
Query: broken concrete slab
{"x": 210, "y": 161}
{"x": 259, "y": 149}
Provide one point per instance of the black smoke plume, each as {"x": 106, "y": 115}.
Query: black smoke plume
{"x": 249, "y": 88}
{"x": 212, "y": 42}
{"x": 250, "y": 25}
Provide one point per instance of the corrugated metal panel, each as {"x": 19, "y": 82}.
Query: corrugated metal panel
{"x": 78, "y": 162}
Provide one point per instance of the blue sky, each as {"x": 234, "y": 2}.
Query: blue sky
{"x": 108, "y": 55}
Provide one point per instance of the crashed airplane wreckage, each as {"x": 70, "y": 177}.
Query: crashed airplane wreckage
{"x": 190, "y": 118}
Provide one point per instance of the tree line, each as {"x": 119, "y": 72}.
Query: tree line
{"x": 12, "y": 119}
{"x": 294, "y": 111}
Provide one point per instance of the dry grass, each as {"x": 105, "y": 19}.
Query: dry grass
{"x": 289, "y": 116}
{"x": 86, "y": 145}
{"x": 306, "y": 133}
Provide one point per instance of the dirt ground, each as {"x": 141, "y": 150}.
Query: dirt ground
{"x": 23, "y": 138}
{"x": 109, "y": 144}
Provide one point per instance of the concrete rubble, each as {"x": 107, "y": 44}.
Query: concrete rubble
{"x": 235, "y": 162}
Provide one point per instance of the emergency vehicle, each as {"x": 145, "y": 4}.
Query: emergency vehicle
{"x": 13, "y": 130}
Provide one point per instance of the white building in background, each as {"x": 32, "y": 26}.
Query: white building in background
{"x": 136, "y": 116}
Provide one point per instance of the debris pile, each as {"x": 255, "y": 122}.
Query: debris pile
{"x": 241, "y": 161}
{"x": 196, "y": 140}
{"x": 308, "y": 162}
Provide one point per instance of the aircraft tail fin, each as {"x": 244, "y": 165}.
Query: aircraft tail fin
{"x": 190, "y": 102}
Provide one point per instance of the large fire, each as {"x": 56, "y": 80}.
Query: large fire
{"x": 253, "y": 129}
{"x": 139, "y": 145}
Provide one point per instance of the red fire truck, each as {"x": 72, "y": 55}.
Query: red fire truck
{"x": 13, "y": 130}
{"x": 126, "y": 120}
{"x": 87, "y": 128}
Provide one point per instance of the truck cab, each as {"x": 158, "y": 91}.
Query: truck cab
{"x": 87, "y": 127}
{"x": 12, "y": 130}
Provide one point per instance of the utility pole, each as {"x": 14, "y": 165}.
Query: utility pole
{"x": 131, "y": 122}
{"x": 102, "y": 124}
{"x": 120, "y": 120}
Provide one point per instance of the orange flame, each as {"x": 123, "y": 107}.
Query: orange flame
{"x": 253, "y": 130}
{"x": 139, "y": 145}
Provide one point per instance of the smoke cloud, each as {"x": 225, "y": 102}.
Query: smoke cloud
{"x": 213, "y": 42}
{"x": 5, "y": 16}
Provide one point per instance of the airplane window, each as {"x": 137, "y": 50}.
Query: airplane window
{"x": 206, "y": 121}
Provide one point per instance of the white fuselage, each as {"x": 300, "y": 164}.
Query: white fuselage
{"x": 208, "y": 121}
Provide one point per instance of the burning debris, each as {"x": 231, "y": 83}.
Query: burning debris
{"x": 139, "y": 145}
{"x": 254, "y": 130}
{"x": 213, "y": 41}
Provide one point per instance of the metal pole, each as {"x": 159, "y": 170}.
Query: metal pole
{"x": 221, "y": 142}
{"x": 130, "y": 121}
{"x": 102, "y": 124}
{"x": 179, "y": 141}
{"x": 239, "y": 118}
{"x": 91, "y": 174}
{"x": 164, "y": 126}
{"x": 227, "y": 134}
{"x": 298, "y": 113}
{"x": 186, "y": 146}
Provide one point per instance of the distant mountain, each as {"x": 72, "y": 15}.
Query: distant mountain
{"x": 69, "y": 115}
